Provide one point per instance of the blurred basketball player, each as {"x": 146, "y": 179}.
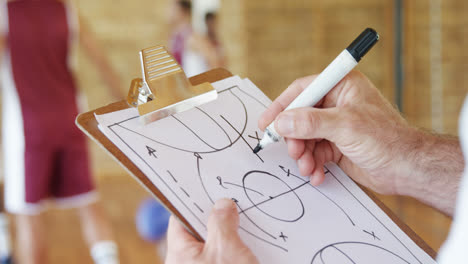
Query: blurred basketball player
{"x": 211, "y": 21}
{"x": 45, "y": 154}
{"x": 195, "y": 52}
{"x": 203, "y": 52}
{"x": 180, "y": 14}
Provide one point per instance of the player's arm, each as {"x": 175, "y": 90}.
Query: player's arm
{"x": 203, "y": 45}
{"x": 96, "y": 54}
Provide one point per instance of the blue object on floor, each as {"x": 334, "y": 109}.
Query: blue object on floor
{"x": 152, "y": 220}
{"x": 7, "y": 260}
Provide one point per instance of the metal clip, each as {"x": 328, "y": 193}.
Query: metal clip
{"x": 164, "y": 88}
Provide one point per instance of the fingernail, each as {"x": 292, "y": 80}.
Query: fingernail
{"x": 223, "y": 204}
{"x": 315, "y": 179}
{"x": 285, "y": 124}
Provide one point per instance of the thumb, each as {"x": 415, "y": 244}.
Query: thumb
{"x": 309, "y": 123}
{"x": 224, "y": 221}
{"x": 223, "y": 243}
{"x": 222, "y": 227}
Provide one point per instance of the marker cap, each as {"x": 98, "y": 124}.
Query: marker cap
{"x": 362, "y": 44}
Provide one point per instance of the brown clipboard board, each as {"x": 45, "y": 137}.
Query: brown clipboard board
{"x": 88, "y": 124}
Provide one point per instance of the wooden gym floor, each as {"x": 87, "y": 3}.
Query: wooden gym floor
{"x": 122, "y": 196}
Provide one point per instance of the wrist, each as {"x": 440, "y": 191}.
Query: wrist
{"x": 432, "y": 166}
{"x": 409, "y": 175}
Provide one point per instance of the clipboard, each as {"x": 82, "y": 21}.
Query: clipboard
{"x": 88, "y": 124}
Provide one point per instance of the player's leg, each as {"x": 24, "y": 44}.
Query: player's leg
{"x": 24, "y": 198}
{"x": 98, "y": 233}
{"x": 25, "y": 194}
{"x": 5, "y": 242}
{"x": 74, "y": 187}
{"x": 27, "y": 181}
{"x": 96, "y": 228}
{"x": 31, "y": 239}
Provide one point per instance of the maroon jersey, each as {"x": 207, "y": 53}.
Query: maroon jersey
{"x": 38, "y": 42}
{"x": 45, "y": 154}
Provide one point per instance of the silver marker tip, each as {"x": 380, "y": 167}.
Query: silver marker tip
{"x": 257, "y": 149}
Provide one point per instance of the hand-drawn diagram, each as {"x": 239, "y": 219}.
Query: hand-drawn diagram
{"x": 273, "y": 201}
{"x": 345, "y": 253}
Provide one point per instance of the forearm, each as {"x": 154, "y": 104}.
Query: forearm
{"x": 208, "y": 51}
{"x": 213, "y": 59}
{"x": 434, "y": 166}
{"x": 96, "y": 54}
{"x": 107, "y": 73}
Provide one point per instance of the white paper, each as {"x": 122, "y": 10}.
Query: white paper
{"x": 199, "y": 156}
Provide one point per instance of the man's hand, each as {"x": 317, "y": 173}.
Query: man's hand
{"x": 353, "y": 126}
{"x": 357, "y": 128}
{"x": 223, "y": 244}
